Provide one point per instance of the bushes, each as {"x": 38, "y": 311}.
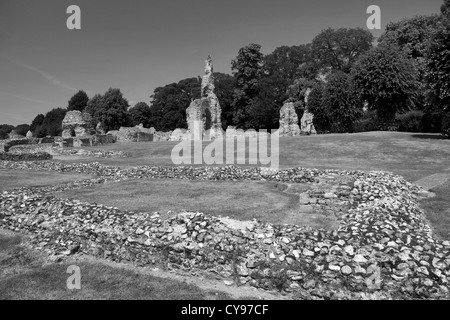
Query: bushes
{"x": 341, "y": 101}
{"x": 410, "y": 121}
{"x": 446, "y": 126}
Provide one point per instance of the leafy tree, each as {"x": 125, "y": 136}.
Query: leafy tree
{"x": 36, "y": 123}
{"x": 387, "y": 80}
{"x": 264, "y": 109}
{"x": 140, "y": 113}
{"x": 322, "y": 119}
{"x": 5, "y": 129}
{"x": 169, "y": 104}
{"x": 109, "y": 109}
{"x": 225, "y": 85}
{"x": 78, "y": 101}
{"x": 412, "y": 35}
{"x": 445, "y": 8}
{"x": 341, "y": 102}
{"x": 297, "y": 91}
{"x": 246, "y": 69}
{"x": 22, "y": 129}
{"x": 339, "y": 49}
{"x": 438, "y": 69}
{"x": 52, "y": 124}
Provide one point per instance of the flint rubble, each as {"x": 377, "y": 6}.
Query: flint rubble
{"x": 383, "y": 249}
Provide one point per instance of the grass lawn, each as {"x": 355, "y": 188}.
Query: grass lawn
{"x": 24, "y": 276}
{"x": 10, "y": 179}
{"x": 264, "y": 201}
{"x": 413, "y": 156}
{"x": 438, "y": 211}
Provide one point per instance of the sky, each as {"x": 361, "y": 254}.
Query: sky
{"x": 139, "y": 45}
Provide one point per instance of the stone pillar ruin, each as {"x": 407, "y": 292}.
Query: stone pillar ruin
{"x": 307, "y": 125}
{"x": 288, "y": 121}
{"x": 206, "y": 110}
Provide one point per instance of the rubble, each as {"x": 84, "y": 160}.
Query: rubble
{"x": 383, "y": 248}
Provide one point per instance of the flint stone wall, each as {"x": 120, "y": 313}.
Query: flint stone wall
{"x": 288, "y": 121}
{"x": 77, "y": 124}
{"x": 313, "y": 263}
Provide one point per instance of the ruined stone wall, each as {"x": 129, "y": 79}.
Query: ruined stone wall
{"x": 288, "y": 121}
{"x": 77, "y": 124}
{"x": 206, "y": 110}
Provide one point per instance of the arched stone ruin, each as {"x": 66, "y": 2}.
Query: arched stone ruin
{"x": 77, "y": 124}
{"x": 207, "y": 110}
{"x": 307, "y": 124}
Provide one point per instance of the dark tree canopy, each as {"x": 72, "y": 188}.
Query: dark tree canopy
{"x": 438, "y": 67}
{"x": 22, "y": 129}
{"x": 52, "y": 123}
{"x": 169, "y": 103}
{"x": 225, "y": 85}
{"x": 341, "y": 101}
{"x": 36, "y": 123}
{"x": 140, "y": 114}
{"x": 5, "y": 129}
{"x": 111, "y": 109}
{"x": 78, "y": 101}
{"x": 246, "y": 69}
{"x": 386, "y": 79}
{"x": 412, "y": 35}
{"x": 339, "y": 49}
{"x": 445, "y": 8}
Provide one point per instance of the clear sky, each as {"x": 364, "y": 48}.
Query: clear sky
{"x": 138, "y": 45}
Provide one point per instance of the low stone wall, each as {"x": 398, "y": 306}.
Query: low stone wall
{"x": 25, "y": 156}
{"x": 383, "y": 248}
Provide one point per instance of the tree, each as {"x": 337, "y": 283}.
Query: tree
{"x": 5, "y": 129}
{"x": 412, "y": 35}
{"x": 387, "y": 80}
{"x": 36, "y": 123}
{"x": 438, "y": 70}
{"x": 247, "y": 70}
{"x": 341, "y": 102}
{"x": 316, "y": 105}
{"x": 140, "y": 113}
{"x": 169, "y": 104}
{"x": 52, "y": 124}
{"x": 78, "y": 101}
{"x": 22, "y": 129}
{"x": 445, "y": 8}
{"x": 225, "y": 85}
{"x": 111, "y": 109}
{"x": 339, "y": 49}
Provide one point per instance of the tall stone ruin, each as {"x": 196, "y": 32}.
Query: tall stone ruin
{"x": 206, "y": 110}
{"x": 307, "y": 125}
{"x": 76, "y": 124}
{"x": 288, "y": 120}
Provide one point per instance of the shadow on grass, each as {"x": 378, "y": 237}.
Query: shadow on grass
{"x": 429, "y": 136}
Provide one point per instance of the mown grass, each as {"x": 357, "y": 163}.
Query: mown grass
{"x": 263, "y": 201}
{"x": 23, "y": 276}
{"x": 413, "y": 156}
{"x": 10, "y": 179}
{"x": 437, "y": 210}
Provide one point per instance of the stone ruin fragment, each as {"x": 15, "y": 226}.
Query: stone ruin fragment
{"x": 307, "y": 125}
{"x": 288, "y": 121}
{"x": 77, "y": 124}
{"x": 206, "y": 110}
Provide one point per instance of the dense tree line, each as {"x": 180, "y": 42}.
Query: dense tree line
{"x": 402, "y": 82}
